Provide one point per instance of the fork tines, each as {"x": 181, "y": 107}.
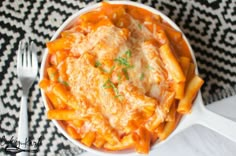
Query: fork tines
{"x": 26, "y": 56}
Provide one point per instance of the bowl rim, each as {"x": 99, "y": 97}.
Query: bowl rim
{"x": 68, "y": 22}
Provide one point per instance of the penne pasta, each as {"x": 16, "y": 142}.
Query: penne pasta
{"x": 63, "y": 77}
{"x": 99, "y": 141}
{"x": 60, "y": 91}
{"x": 125, "y": 143}
{"x": 45, "y": 84}
{"x": 179, "y": 90}
{"x": 60, "y": 44}
{"x": 191, "y": 72}
{"x": 169, "y": 127}
{"x": 185, "y": 64}
{"x": 72, "y": 132}
{"x": 172, "y": 34}
{"x": 154, "y": 122}
{"x": 180, "y": 87}
{"x": 172, "y": 64}
{"x": 89, "y": 138}
{"x": 156, "y": 132}
{"x": 182, "y": 49}
{"x": 56, "y": 102}
{"x": 167, "y": 100}
{"x": 131, "y": 126}
{"x": 142, "y": 144}
{"x": 192, "y": 88}
{"x": 53, "y": 74}
{"x": 77, "y": 123}
{"x": 61, "y": 56}
{"x": 62, "y": 114}
{"x": 92, "y": 17}
{"x": 160, "y": 35}
{"x": 172, "y": 112}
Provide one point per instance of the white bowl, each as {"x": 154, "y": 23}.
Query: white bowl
{"x": 199, "y": 114}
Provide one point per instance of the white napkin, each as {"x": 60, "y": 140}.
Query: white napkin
{"x": 225, "y": 107}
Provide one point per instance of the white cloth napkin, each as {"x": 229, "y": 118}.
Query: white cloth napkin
{"x": 225, "y": 107}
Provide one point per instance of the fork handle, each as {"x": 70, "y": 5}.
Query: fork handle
{"x": 23, "y": 132}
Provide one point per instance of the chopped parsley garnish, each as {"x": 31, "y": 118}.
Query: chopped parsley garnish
{"x": 106, "y": 71}
{"x": 128, "y": 53}
{"x": 109, "y": 84}
{"x": 119, "y": 77}
{"x": 141, "y": 76}
{"x": 119, "y": 96}
{"x": 140, "y": 26}
{"x": 125, "y": 73}
{"x": 63, "y": 82}
{"x": 111, "y": 70}
{"x": 122, "y": 61}
{"x": 150, "y": 67}
{"x": 97, "y": 64}
{"x": 52, "y": 75}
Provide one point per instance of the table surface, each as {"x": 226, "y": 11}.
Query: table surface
{"x": 209, "y": 25}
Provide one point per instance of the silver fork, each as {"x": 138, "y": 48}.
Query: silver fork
{"x": 27, "y": 68}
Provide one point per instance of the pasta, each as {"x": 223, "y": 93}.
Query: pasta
{"x": 120, "y": 77}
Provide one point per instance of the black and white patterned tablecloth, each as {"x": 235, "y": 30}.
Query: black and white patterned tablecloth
{"x": 209, "y": 25}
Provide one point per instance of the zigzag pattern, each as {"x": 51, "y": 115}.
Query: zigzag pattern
{"x": 229, "y": 14}
{"x": 217, "y": 62}
{"x": 8, "y": 123}
{"x": 210, "y": 27}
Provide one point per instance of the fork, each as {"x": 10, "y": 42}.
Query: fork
{"x": 27, "y": 69}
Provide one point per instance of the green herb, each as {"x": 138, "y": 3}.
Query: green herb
{"x": 103, "y": 70}
{"x": 63, "y": 82}
{"x": 109, "y": 84}
{"x": 122, "y": 61}
{"x": 150, "y": 67}
{"x": 119, "y": 96}
{"x": 141, "y": 76}
{"x": 112, "y": 68}
{"x": 52, "y": 75}
{"x": 128, "y": 53}
{"x": 119, "y": 77}
{"x": 140, "y": 26}
{"x": 126, "y": 73}
{"x": 108, "y": 72}
{"x": 116, "y": 92}
{"x": 97, "y": 64}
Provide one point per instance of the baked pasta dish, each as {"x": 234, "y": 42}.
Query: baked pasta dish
{"x": 119, "y": 77}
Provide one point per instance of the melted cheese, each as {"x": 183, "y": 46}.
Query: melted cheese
{"x": 118, "y": 89}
